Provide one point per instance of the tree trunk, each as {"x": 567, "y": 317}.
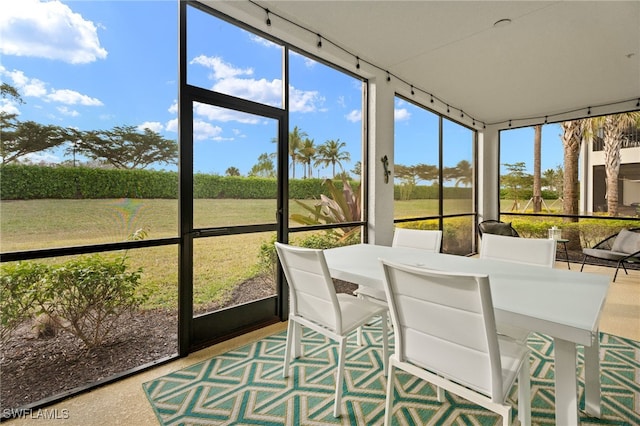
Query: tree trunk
{"x": 571, "y": 139}
{"x": 537, "y": 187}
{"x": 612, "y": 146}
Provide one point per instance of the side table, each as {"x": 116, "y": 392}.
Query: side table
{"x": 564, "y": 246}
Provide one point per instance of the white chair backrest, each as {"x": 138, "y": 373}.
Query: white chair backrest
{"x": 530, "y": 251}
{"x": 417, "y": 238}
{"x": 444, "y": 322}
{"x": 312, "y": 294}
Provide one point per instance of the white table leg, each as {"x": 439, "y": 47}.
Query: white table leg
{"x": 592, "y": 394}
{"x": 566, "y": 383}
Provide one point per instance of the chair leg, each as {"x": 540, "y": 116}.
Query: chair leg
{"x": 337, "y": 408}
{"x": 359, "y": 337}
{"x": 287, "y": 348}
{"x": 616, "y": 273}
{"x": 584, "y": 259}
{"x": 297, "y": 340}
{"x": 389, "y": 400}
{"x": 524, "y": 394}
{"x": 385, "y": 343}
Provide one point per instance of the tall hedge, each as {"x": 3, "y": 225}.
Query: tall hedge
{"x": 26, "y": 182}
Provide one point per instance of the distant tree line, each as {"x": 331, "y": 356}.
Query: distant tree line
{"x": 123, "y": 147}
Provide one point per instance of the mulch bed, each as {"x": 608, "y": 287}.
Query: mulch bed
{"x": 33, "y": 368}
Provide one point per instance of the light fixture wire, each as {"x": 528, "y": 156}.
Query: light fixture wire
{"x": 432, "y": 97}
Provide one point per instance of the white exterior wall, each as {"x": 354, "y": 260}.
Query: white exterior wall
{"x": 631, "y": 192}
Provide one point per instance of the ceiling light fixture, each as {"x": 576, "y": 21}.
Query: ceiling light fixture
{"x": 268, "y": 19}
{"x": 319, "y": 40}
{"x": 388, "y": 76}
{"x": 501, "y": 23}
{"x": 412, "y": 91}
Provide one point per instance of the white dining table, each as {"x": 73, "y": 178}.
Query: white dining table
{"x": 565, "y": 305}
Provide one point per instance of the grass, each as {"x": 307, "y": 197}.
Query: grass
{"x": 220, "y": 263}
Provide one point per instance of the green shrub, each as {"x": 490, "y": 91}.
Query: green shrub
{"x": 19, "y": 286}
{"x": 84, "y": 296}
{"x": 87, "y": 295}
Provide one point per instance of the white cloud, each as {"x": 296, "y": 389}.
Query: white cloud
{"x": 401, "y": 114}
{"x": 221, "y": 70}
{"x": 269, "y": 92}
{"x": 263, "y": 41}
{"x": 48, "y": 29}
{"x": 304, "y": 101}
{"x": 151, "y": 125}
{"x": 341, "y": 101}
{"x": 173, "y": 109}
{"x": 71, "y": 97}
{"x": 66, "y": 111}
{"x": 8, "y": 107}
{"x": 354, "y": 116}
{"x": 263, "y": 91}
{"x": 203, "y": 130}
{"x": 172, "y": 125}
{"x": 32, "y": 87}
{"x": 40, "y": 158}
{"x": 214, "y": 113}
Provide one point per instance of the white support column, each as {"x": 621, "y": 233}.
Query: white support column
{"x": 586, "y": 180}
{"x": 381, "y": 134}
{"x": 488, "y": 173}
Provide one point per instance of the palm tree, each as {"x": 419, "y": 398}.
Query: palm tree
{"x": 537, "y": 185}
{"x": 613, "y": 127}
{"x": 330, "y": 153}
{"x": 232, "y": 171}
{"x": 572, "y": 132}
{"x": 306, "y": 154}
{"x": 295, "y": 142}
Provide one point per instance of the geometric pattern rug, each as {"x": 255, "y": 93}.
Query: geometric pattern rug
{"x": 245, "y": 387}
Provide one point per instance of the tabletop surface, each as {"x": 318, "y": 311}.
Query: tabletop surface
{"x": 562, "y": 303}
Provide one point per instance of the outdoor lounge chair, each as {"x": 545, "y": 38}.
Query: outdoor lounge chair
{"x": 623, "y": 247}
{"x": 497, "y": 227}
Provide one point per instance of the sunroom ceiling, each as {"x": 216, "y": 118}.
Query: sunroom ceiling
{"x": 552, "y": 58}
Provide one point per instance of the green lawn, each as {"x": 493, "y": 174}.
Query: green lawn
{"x": 220, "y": 263}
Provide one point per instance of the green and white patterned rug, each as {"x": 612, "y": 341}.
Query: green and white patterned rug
{"x": 245, "y": 387}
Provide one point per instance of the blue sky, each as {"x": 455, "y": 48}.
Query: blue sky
{"x": 98, "y": 64}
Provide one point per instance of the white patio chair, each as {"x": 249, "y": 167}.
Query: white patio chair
{"x": 445, "y": 334}
{"x": 529, "y": 251}
{"x": 315, "y": 304}
{"x": 428, "y": 240}
{"x": 425, "y": 239}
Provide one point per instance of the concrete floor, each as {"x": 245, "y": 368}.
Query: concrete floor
{"x": 124, "y": 402}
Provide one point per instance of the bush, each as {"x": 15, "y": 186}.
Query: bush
{"x": 19, "y": 286}
{"x": 85, "y": 296}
